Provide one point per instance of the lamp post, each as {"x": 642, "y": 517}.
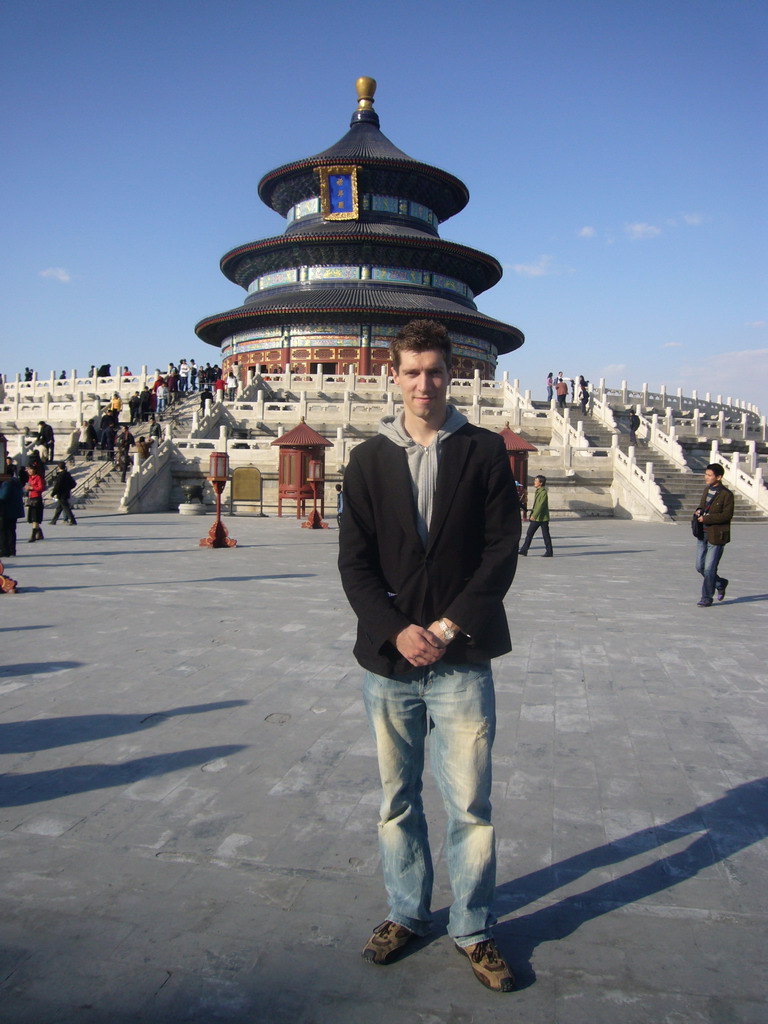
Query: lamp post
{"x": 218, "y": 474}
{"x": 315, "y": 476}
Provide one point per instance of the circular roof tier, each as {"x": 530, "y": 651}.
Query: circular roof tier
{"x": 383, "y": 168}
{"x": 476, "y": 269}
{"x": 372, "y": 304}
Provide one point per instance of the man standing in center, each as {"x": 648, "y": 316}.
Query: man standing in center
{"x": 428, "y": 549}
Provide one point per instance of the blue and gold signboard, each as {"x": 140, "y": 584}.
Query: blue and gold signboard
{"x": 338, "y": 192}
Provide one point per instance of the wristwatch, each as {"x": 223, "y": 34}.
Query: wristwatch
{"x": 448, "y": 633}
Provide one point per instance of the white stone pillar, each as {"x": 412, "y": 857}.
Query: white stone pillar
{"x": 752, "y": 456}
{"x": 624, "y": 394}
{"x": 303, "y": 404}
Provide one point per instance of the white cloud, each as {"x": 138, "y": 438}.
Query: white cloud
{"x": 673, "y": 344}
{"x": 756, "y": 323}
{"x": 694, "y": 219}
{"x": 587, "y": 232}
{"x": 539, "y": 269}
{"x": 613, "y": 370}
{"x": 741, "y": 374}
{"x": 57, "y": 273}
{"x": 637, "y": 231}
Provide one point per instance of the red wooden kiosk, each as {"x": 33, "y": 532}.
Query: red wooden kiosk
{"x": 301, "y": 473}
{"x": 517, "y": 450}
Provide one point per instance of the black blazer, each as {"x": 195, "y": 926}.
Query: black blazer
{"x": 392, "y": 580}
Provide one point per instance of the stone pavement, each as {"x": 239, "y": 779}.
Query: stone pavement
{"x": 189, "y": 792}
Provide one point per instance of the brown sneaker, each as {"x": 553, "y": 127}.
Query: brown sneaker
{"x": 386, "y": 940}
{"x": 489, "y": 966}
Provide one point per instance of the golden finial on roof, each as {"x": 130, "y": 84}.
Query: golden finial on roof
{"x": 366, "y": 87}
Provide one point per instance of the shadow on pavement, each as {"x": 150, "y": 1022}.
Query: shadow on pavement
{"x": 40, "y": 787}
{"x": 44, "y": 733}
{"x": 727, "y": 825}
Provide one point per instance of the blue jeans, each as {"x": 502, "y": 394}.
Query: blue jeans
{"x": 707, "y": 560}
{"x": 456, "y": 705}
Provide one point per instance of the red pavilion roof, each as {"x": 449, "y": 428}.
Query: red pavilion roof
{"x": 302, "y": 436}
{"x": 515, "y": 443}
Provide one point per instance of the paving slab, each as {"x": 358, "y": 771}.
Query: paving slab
{"x": 189, "y": 792}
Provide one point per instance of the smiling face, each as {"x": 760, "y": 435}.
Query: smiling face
{"x": 423, "y": 381}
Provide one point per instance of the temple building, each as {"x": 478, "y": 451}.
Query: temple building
{"x": 360, "y": 256}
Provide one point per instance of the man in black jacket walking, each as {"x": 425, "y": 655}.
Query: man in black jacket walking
{"x": 61, "y": 489}
{"x": 428, "y": 549}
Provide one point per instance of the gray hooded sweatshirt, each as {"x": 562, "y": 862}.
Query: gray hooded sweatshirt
{"x": 423, "y": 463}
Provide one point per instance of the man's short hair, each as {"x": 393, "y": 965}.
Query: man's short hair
{"x": 541, "y": 477}
{"x": 421, "y": 336}
{"x": 716, "y": 468}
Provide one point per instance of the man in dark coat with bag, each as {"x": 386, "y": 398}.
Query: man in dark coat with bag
{"x": 712, "y": 529}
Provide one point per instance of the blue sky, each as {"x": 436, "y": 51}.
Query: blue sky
{"x": 615, "y": 153}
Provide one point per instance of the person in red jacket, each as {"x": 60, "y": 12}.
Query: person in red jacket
{"x": 35, "y": 510}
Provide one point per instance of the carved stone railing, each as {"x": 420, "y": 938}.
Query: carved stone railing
{"x": 745, "y": 477}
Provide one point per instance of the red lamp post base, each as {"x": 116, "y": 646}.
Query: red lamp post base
{"x": 218, "y": 537}
{"x": 314, "y": 521}
{"x": 7, "y": 585}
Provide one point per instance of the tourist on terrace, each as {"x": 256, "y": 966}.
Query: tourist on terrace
{"x": 634, "y": 423}
{"x": 88, "y": 440}
{"x": 713, "y": 532}
{"x": 550, "y": 386}
{"x": 45, "y": 439}
{"x": 561, "y": 389}
{"x": 583, "y": 394}
{"x": 123, "y": 444}
{"x": 539, "y": 518}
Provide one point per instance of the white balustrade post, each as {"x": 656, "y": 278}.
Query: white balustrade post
{"x": 663, "y": 393}
{"x": 752, "y": 456}
{"x": 645, "y": 394}
{"x": 721, "y": 423}
{"x": 505, "y": 377}
{"x": 624, "y": 393}
{"x": 696, "y": 420}
{"x": 303, "y": 403}
{"x": 346, "y": 407}
{"x": 648, "y": 480}
{"x": 714, "y": 450}
{"x": 744, "y": 425}
{"x": 476, "y": 384}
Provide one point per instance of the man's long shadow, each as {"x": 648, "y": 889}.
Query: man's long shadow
{"x": 19, "y": 790}
{"x": 735, "y": 821}
{"x": 29, "y": 735}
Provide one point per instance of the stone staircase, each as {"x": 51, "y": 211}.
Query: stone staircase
{"x": 104, "y": 497}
